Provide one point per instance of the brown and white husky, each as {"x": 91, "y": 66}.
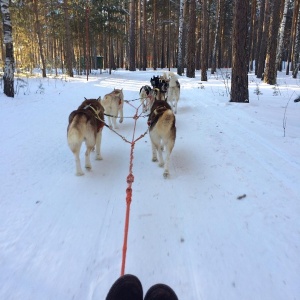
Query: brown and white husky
{"x": 86, "y": 124}
{"x": 162, "y": 131}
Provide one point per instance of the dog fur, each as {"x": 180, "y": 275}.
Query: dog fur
{"x": 162, "y": 131}
{"x": 160, "y": 86}
{"x": 113, "y": 106}
{"x": 86, "y": 124}
{"x": 146, "y": 97}
{"x": 173, "y": 91}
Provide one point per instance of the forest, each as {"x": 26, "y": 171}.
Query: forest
{"x": 75, "y": 37}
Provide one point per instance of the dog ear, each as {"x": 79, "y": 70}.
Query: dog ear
{"x": 85, "y": 98}
{"x": 99, "y": 99}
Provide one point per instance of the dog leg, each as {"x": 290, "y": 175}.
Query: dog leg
{"x": 121, "y": 114}
{"x": 154, "y": 152}
{"x": 115, "y": 123}
{"x": 75, "y": 148}
{"x": 87, "y": 157}
{"x": 98, "y": 145}
{"x": 169, "y": 148}
{"x": 160, "y": 155}
{"x": 78, "y": 164}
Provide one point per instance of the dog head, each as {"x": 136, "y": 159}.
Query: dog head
{"x": 163, "y": 86}
{"x": 154, "y": 81}
{"x": 146, "y": 89}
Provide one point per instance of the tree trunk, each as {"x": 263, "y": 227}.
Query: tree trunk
{"x": 217, "y": 39}
{"x": 297, "y": 49}
{"x": 132, "y": 65}
{"x": 281, "y": 36}
{"x": 239, "y": 80}
{"x": 39, "y": 36}
{"x": 180, "y": 64}
{"x": 144, "y": 40}
{"x": 191, "y": 46}
{"x": 69, "y": 52}
{"x": 270, "y": 75}
{"x": 252, "y": 33}
{"x": 259, "y": 33}
{"x": 154, "y": 35}
{"x": 204, "y": 35}
{"x": 8, "y": 77}
{"x": 263, "y": 46}
{"x": 293, "y": 36}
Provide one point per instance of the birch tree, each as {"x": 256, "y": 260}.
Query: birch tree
{"x": 281, "y": 35}
{"x": 8, "y": 77}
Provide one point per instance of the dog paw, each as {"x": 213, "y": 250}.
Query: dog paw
{"x": 161, "y": 164}
{"x": 99, "y": 157}
{"x": 88, "y": 167}
{"x": 166, "y": 174}
{"x": 154, "y": 159}
{"x": 79, "y": 173}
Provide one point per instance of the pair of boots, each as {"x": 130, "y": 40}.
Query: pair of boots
{"x": 129, "y": 287}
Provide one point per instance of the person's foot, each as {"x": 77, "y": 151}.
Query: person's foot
{"x": 127, "y": 287}
{"x": 160, "y": 292}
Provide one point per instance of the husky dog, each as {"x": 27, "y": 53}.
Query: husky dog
{"x": 86, "y": 124}
{"x": 146, "y": 97}
{"x": 113, "y": 105}
{"x": 160, "y": 85}
{"x": 162, "y": 131}
{"x": 173, "y": 91}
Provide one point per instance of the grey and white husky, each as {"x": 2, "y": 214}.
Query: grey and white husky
{"x": 113, "y": 106}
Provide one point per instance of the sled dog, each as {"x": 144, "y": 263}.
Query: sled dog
{"x": 162, "y": 131}
{"x": 113, "y": 105}
{"x": 86, "y": 124}
{"x": 146, "y": 97}
{"x": 173, "y": 91}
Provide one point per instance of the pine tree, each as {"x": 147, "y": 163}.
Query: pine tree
{"x": 239, "y": 80}
{"x": 270, "y": 74}
{"x": 191, "y": 46}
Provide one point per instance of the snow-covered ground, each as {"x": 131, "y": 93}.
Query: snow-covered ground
{"x": 224, "y": 226}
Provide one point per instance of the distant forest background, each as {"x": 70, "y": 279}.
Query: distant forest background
{"x": 79, "y": 35}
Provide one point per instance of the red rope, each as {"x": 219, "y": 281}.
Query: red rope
{"x": 130, "y": 180}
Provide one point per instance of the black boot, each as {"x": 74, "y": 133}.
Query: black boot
{"x": 160, "y": 292}
{"x": 127, "y": 287}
